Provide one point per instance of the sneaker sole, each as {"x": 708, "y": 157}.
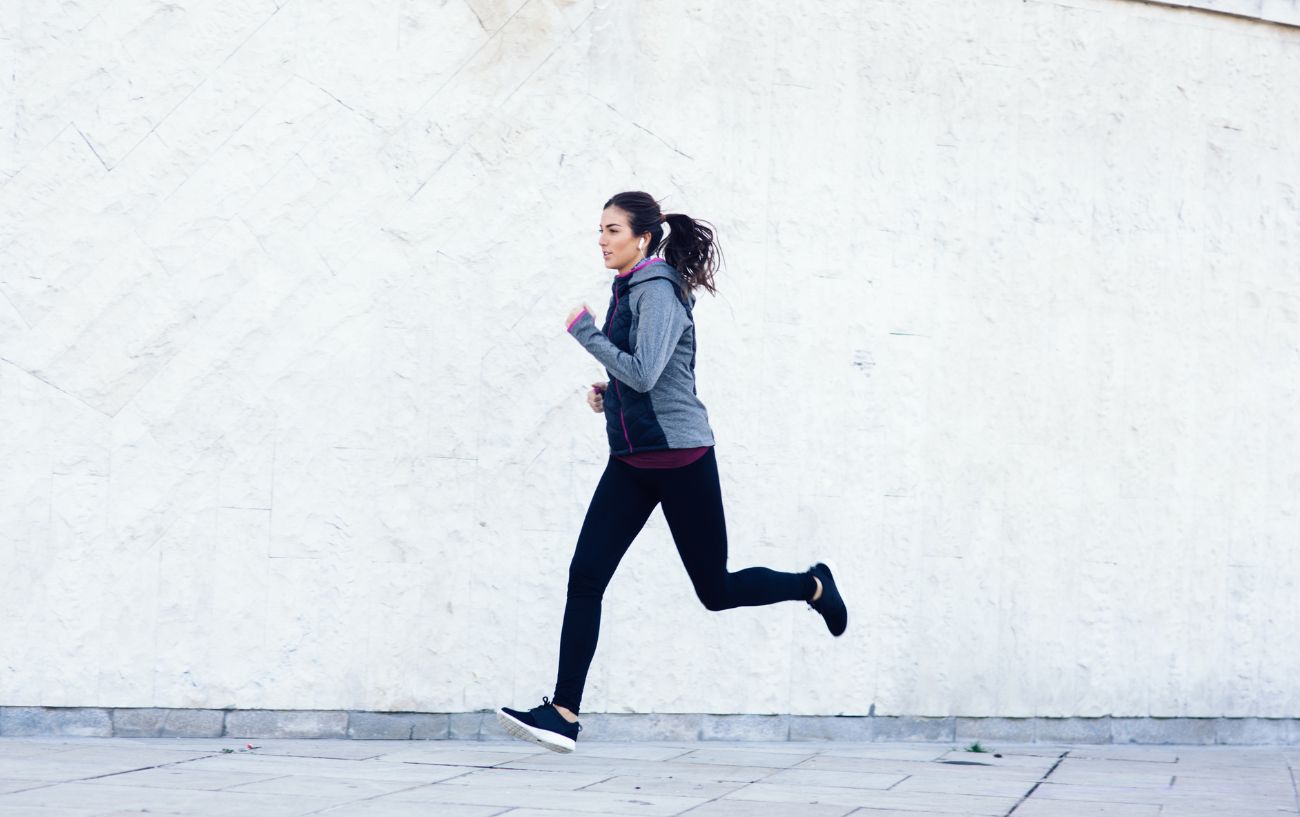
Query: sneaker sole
{"x": 542, "y": 737}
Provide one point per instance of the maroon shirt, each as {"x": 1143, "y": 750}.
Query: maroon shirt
{"x": 665, "y": 458}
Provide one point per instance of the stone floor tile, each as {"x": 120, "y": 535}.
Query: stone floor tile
{"x": 348, "y": 788}
{"x": 636, "y": 784}
{"x": 889, "y": 812}
{"x": 940, "y": 783}
{"x": 922, "y": 767}
{"x": 754, "y": 808}
{"x": 746, "y": 757}
{"x": 719, "y": 773}
{"x": 180, "y": 777}
{"x": 42, "y": 777}
{"x": 1060, "y": 808}
{"x": 363, "y": 770}
{"x": 889, "y": 751}
{"x": 651, "y": 805}
{"x": 636, "y": 751}
{"x": 1051, "y": 790}
{"x": 966, "y": 804}
{"x": 385, "y": 808}
{"x": 1021, "y": 761}
{"x": 820, "y": 777}
{"x": 557, "y": 779}
{"x": 166, "y": 801}
{"x": 39, "y": 811}
{"x": 460, "y": 756}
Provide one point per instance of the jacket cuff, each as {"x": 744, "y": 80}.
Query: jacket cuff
{"x": 583, "y": 314}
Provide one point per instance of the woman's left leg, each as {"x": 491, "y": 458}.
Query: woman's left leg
{"x": 691, "y": 498}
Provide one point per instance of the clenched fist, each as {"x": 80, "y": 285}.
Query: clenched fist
{"x": 575, "y": 312}
{"x": 596, "y": 397}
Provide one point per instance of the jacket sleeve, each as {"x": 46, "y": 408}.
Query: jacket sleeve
{"x": 661, "y": 319}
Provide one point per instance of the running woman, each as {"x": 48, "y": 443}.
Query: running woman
{"x": 661, "y": 452}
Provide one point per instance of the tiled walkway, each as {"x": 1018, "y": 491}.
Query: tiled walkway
{"x": 97, "y": 777}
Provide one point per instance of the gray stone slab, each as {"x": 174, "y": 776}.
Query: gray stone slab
{"x": 1164, "y": 730}
{"x": 909, "y": 728}
{"x": 398, "y": 726}
{"x": 839, "y": 727}
{"x": 664, "y": 726}
{"x": 1072, "y": 730}
{"x": 1236, "y": 731}
{"x": 745, "y": 727}
{"x": 467, "y": 725}
{"x": 41, "y": 720}
{"x": 292, "y": 723}
{"x": 967, "y": 730}
{"x": 168, "y": 723}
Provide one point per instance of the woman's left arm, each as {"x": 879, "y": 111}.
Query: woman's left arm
{"x": 661, "y": 319}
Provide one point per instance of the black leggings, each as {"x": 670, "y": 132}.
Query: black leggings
{"x": 624, "y": 499}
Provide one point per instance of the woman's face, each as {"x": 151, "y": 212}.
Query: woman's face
{"x": 617, "y": 243}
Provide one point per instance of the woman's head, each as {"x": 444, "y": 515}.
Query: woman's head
{"x": 632, "y": 227}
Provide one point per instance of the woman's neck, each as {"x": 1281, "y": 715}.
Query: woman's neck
{"x": 635, "y": 267}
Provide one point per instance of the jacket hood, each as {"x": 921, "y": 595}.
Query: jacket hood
{"x": 658, "y": 268}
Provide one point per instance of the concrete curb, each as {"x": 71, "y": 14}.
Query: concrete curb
{"x": 16, "y": 721}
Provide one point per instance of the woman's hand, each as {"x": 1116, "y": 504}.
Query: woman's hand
{"x": 577, "y": 310}
{"x": 596, "y": 397}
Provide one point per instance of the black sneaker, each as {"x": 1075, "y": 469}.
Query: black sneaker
{"x": 829, "y": 604}
{"x": 542, "y": 724}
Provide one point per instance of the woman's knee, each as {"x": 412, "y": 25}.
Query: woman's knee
{"x": 715, "y": 595}
{"x": 585, "y": 582}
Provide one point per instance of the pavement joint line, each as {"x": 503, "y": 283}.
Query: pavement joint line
{"x": 1295, "y": 790}
{"x": 891, "y": 786}
{"x": 596, "y": 783}
{"x": 1038, "y": 783}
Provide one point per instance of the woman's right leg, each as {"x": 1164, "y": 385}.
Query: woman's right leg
{"x": 692, "y": 499}
{"x": 619, "y": 509}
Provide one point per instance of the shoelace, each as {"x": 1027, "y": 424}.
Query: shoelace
{"x": 547, "y": 702}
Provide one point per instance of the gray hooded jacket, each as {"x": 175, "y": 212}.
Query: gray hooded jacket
{"x": 647, "y": 346}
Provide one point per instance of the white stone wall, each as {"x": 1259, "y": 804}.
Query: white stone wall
{"x": 1008, "y": 333}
